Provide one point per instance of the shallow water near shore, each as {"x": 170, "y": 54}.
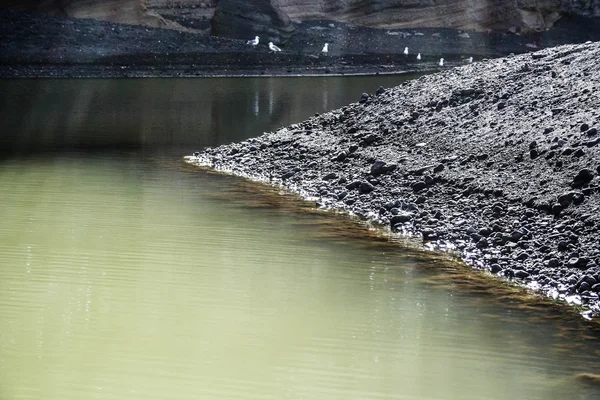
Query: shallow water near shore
{"x": 129, "y": 274}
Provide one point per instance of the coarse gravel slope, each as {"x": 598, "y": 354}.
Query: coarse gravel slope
{"x": 498, "y": 160}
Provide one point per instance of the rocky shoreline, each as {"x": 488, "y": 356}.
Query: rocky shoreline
{"x": 498, "y": 161}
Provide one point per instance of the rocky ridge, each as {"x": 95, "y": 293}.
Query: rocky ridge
{"x": 497, "y": 160}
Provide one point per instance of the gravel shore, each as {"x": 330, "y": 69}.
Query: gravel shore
{"x": 498, "y": 161}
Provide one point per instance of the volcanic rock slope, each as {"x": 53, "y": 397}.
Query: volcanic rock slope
{"x": 498, "y": 160}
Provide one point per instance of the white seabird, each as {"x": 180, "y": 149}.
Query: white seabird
{"x": 253, "y": 42}
{"x": 441, "y": 62}
{"x": 272, "y": 47}
{"x": 325, "y": 48}
{"x": 470, "y": 60}
{"x": 406, "y": 51}
{"x": 419, "y": 56}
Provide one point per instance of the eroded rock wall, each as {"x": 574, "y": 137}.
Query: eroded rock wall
{"x": 461, "y": 14}
{"x": 123, "y": 11}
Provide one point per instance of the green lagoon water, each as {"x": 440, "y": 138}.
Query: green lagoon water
{"x": 126, "y": 274}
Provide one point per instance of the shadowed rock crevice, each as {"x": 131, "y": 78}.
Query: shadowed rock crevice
{"x": 242, "y": 19}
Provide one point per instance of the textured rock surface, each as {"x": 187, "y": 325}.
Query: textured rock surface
{"x": 240, "y": 18}
{"x": 501, "y": 15}
{"x": 123, "y": 11}
{"x": 460, "y": 14}
{"x": 499, "y": 160}
{"x": 244, "y": 19}
{"x": 37, "y": 45}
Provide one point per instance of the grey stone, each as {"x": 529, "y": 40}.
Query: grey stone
{"x": 582, "y": 178}
{"x": 521, "y": 274}
{"x": 377, "y": 168}
{"x": 483, "y": 243}
{"x": 495, "y": 268}
{"x": 401, "y": 218}
{"x": 553, "y": 263}
{"x": 353, "y": 185}
{"x": 365, "y": 187}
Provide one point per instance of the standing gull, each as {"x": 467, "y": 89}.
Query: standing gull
{"x": 253, "y": 42}
{"x": 419, "y": 56}
{"x": 441, "y": 62}
{"x": 325, "y": 48}
{"x": 406, "y": 51}
{"x": 273, "y": 48}
{"x": 470, "y": 60}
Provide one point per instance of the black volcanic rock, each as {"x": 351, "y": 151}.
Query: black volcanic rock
{"x": 524, "y": 214}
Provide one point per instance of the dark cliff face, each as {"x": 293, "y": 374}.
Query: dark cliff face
{"x": 123, "y": 11}
{"x": 461, "y": 14}
{"x": 243, "y": 19}
{"x": 481, "y": 15}
{"x": 270, "y": 19}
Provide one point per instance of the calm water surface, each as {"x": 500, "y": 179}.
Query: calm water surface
{"x": 129, "y": 275}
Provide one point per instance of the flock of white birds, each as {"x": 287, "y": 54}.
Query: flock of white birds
{"x": 254, "y": 42}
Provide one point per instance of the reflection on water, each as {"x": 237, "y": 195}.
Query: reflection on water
{"x": 127, "y": 275}
{"x": 166, "y": 114}
{"x": 124, "y": 279}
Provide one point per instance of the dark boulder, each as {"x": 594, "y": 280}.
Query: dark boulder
{"x": 401, "y": 218}
{"x": 365, "y": 187}
{"x": 582, "y": 178}
{"x": 380, "y": 167}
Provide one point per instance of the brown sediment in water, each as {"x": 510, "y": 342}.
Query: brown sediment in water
{"x": 443, "y": 271}
{"x": 455, "y": 158}
{"x": 589, "y": 379}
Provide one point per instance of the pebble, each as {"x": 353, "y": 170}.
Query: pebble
{"x": 353, "y": 185}
{"x": 495, "y": 268}
{"x": 553, "y": 263}
{"x": 365, "y": 187}
{"x": 482, "y": 243}
{"x": 579, "y": 153}
{"x": 521, "y": 274}
{"x": 401, "y": 218}
{"x": 582, "y": 178}
{"x": 418, "y": 186}
{"x": 341, "y": 156}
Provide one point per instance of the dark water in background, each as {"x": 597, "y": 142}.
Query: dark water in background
{"x": 125, "y": 273}
{"x": 164, "y": 115}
